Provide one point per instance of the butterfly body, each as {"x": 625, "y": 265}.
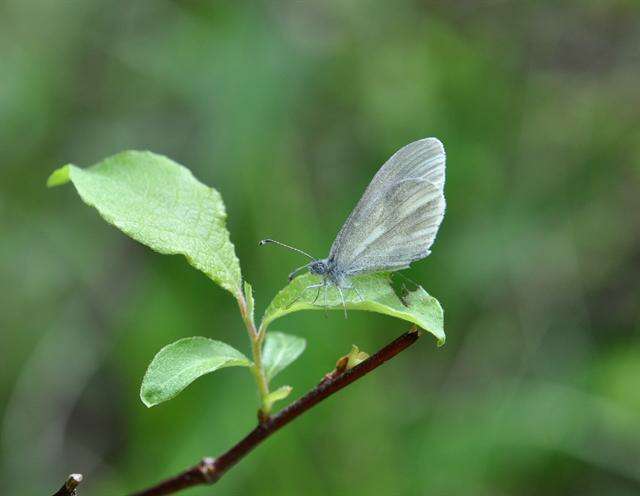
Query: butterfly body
{"x": 328, "y": 269}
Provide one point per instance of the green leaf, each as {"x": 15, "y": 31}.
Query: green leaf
{"x": 280, "y": 350}
{"x": 179, "y": 364}
{"x": 377, "y": 294}
{"x": 279, "y": 394}
{"x": 162, "y": 205}
{"x": 58, "y": 177}
{"x": 248, "y": 295}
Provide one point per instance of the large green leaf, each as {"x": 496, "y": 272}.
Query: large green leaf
{"x": 179, "y": 364}
{"x": 377, "y": 296}
{"x": 160, "y": 204}
{"x": 279, "y": 351}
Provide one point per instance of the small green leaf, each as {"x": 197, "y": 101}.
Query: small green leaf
{"x": 159, "y": 203}
{"x": 59, "y": 177}
{"x": 279, "y": 351}
{"x": 279, "y": 394}
{"x": 377, "y": 294}
{"x": 248, "y": 295}
{"x": 179, "y": 364}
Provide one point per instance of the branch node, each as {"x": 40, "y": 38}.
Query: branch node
{"x": 73, "y": 481}
{"x": 69, "y": 487}
{"x": 208, "y": 470}
{"x": 263, "y": 417}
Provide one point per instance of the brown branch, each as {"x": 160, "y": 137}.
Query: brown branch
{"x": 210, "y": 470}
{"x": 69, "y": 487}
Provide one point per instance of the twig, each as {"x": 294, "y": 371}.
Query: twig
{"x": 69, "y": 487}
{"x": 210, "y": 470}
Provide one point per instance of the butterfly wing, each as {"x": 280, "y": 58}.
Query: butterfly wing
{"x": 397, "y": 219}
{"x": 422, "y": 159}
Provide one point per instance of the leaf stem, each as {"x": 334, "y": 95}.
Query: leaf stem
{"x": 256, "y": 337}
{"x": 210, "y": 470}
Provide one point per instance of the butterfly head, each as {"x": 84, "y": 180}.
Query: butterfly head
{"x": 319, "y": 267}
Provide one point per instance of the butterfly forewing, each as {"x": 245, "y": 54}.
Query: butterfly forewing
{"x": 397, "y": 219}
{"x": 422, "y": 159}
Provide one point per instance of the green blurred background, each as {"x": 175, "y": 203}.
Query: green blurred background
{"x": 288, "y": 109}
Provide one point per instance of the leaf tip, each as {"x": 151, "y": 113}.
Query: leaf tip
{"x": 59, "y": 176}
{"x": 146, "y": 400}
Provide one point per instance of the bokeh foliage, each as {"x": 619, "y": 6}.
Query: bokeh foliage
{"x": 288, "y": 109}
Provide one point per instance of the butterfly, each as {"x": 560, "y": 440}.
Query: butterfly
{"x": 394, "y": 223}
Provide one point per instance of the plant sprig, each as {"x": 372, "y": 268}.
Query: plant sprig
{"x": 162, "y": 205}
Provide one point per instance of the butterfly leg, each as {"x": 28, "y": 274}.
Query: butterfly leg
{"x": 325, "y": 300}
{"x": 313, "y": 286}
{"x": 357, "y": 292}
{"x": 319, "y": 286}
{"x": 295, "y": 272}
{"x": 349, "y": 284}
{"x": 344, "y": 305}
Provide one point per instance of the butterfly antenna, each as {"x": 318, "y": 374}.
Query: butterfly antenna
{"x": 267, "y": 241}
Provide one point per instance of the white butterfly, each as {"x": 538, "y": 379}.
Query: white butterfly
{"x": 394, "y": 223}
